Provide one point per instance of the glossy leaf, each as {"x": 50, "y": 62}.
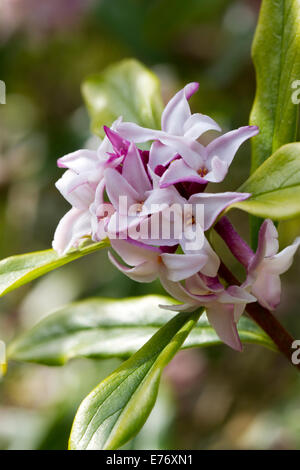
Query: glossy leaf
{"x": 275, "y": 186}
{"x": 118, "y": 407}
{"x": 127, "y": 89}
{"x": 103, "y": 328}
{"x": 276, "y": 57}
{"x": 18, "y": 270}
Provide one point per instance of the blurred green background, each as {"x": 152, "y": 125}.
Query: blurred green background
{"x": 213, "y": 398}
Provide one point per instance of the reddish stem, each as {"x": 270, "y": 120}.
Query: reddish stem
{"x": 239, "y": 248}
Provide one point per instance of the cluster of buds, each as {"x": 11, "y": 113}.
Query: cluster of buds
{"x": 153, "y": 207}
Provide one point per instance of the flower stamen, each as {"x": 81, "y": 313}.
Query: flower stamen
{"x": 202, "y": 171}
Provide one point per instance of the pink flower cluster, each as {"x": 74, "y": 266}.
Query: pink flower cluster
{"x": 174, "y": 172}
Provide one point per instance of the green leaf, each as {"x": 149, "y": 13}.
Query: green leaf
{"x": 18, "y": 270}
{"x": 103, "y": 328}
{"x": 118, "y": 407}
{"x": 126, "y": 89}
{"x": 276, "y": 56}
{"x": 275, "y": 186}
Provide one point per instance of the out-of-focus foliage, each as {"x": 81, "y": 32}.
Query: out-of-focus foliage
{"x": 221, "y": 399}
{"x": 107, "y": 328}
{"x": 126, "y": 89}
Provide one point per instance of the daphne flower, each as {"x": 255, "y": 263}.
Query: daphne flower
{"x": 132, "y": 193}
{"x": 78, "y": 185}
{"x": 223, "y": 306}
{"x": 100, "y": 214}
{"x": 73, "y": 227}
{"x": 79, "y": 190}
{"x": 213, "y": 204}
{"x": 267, "y": 265}
{"x": 178, "y": 138}
{"x": 201, "y": 164}
{"x": 147, "y": 263}
{"x": 178, "y": 126}
{"x": 198, "y": 214}
{"x": 176, "y": 120}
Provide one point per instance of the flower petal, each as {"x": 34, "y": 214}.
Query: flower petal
{"x": 267, "y": 290}
{"x": 192, "y": 152}
{"x": 221, "y": 317}
{"x": 218, "y": 171}
{"x": 179, "y": 172}
{"x": 179, "y": 307}
{"x": 213, "y": 261}
{"x": 134, "y": 171}
{"x": 100, "y": 217}
{"x": 71, "y": 229}
{"x": 100, "y": 213}
{"x": 144, "y": 272}
{"x": 226, "y": 146}
{"x": 134, "y": 253}
{"x": 215, "y": 203}
{"x": 122, "y": 226}
{"x": 180, "y": 266}
{"x": 212, "y": 266}
{"x": 119, "y": 144}
{"x": 281, "y": 262}
{"x": 163, "y": 198}
{"x": 178, "y": 110}
{"x": 76, "y": 189}
{"x": 160, "y": 154}
{"x": 176, "y": 290}
{"x": 116, "y": 187}
{"x": 136, "y": 133}
{"x": 197, "y": 124}
{"x": 79, "y": 161}
{"x": 267, "y": 244}
{"x": 237, "y": 294}
{"x": 158, "y": 231}
{"x": 200, "y": 284}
